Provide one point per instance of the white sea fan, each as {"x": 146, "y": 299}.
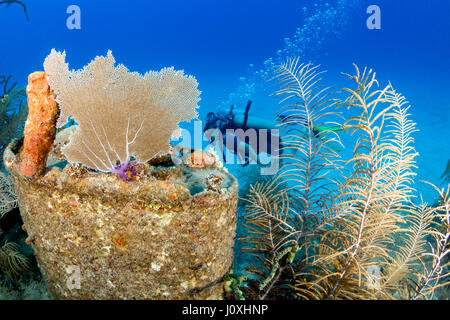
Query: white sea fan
{"x": 8, "y": 197}
{"x": 120, "y": 113}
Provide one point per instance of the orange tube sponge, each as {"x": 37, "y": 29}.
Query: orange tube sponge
{"x": 40, "y": 128}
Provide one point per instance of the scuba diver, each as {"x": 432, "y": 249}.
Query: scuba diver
{"x": 446, "y": 174}
{"x": 229, "y": 123}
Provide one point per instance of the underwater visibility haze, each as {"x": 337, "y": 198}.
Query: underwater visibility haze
{"x": 237, "y": 150}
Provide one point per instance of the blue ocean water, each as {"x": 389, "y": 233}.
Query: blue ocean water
{"x": 227, "y": 46}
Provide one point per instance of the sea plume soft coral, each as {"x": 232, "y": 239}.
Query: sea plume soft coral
{"x": 13, "y": 112}
{"x": 120, "y": 113}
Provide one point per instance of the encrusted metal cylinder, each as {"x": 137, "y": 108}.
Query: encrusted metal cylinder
{"x": 168, "y": 234}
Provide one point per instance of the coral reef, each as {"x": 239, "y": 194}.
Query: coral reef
{"x": 165, "y": 232}
{"x": 345, "y": 229}
{"x": 40, "y": 127}
{"x": 100, "y": 99}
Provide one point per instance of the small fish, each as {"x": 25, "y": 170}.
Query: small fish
{"x": 446, "y": 174}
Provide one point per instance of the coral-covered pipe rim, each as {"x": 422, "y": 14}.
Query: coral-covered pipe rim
{"x": 80, "y": 180}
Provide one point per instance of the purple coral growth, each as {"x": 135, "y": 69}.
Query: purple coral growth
{"x": 125, "y": 170}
